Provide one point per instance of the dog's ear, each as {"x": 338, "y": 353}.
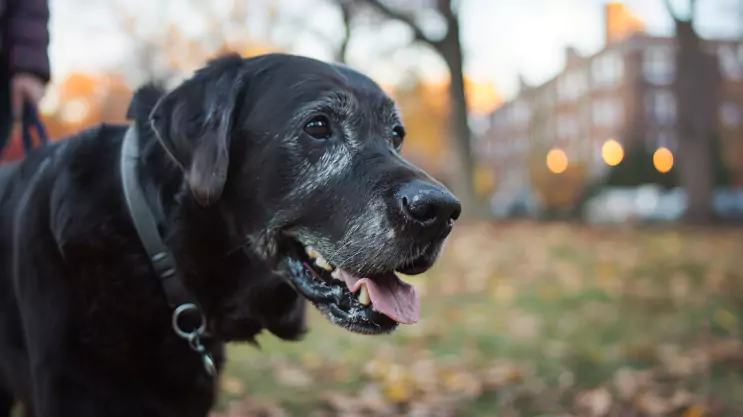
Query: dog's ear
{"x": 194, "y": 123}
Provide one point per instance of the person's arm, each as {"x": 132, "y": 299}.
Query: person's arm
{"x": 28, "y": 55}
{"x": 28, "y": 38}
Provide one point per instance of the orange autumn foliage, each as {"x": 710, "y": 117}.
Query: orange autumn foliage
{"x": 82, "y": 100}
{"x": 86, "y": 99}
{"x": 482, "y": 96}
{"x": 425, "y": 110}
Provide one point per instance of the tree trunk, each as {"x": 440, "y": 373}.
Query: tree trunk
{"x": 697, "y": 92}
{"x": 695, "y": 175}
{"x": 462, "y": 175}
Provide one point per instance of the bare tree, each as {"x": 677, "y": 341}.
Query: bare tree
{"x": 341, "y": 54}
{"x": 449, "y": 48}
{"x": 163, "y": 51}
{"x": 697, "y": 89}
{"x": 338, "y": 46}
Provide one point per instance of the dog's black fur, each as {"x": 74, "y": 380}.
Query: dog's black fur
{"x": 84, "y": 326}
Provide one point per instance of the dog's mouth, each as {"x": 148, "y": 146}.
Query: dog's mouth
{"x": 364, "y": 304}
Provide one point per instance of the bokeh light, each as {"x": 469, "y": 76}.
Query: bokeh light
{"x": 75, "y": 111}
{"x": 557, "y": 161}
{"x": 663, "y": 159}
{"x": 612, "y": 152}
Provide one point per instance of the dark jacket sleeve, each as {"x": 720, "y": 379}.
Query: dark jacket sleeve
{"x": 28, "y": 37}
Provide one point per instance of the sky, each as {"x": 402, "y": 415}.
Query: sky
{"x": 502, "y": 38}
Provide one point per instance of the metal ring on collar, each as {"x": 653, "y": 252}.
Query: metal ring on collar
{"x": 177, "y": 314}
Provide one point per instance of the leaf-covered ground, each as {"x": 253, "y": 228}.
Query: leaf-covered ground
{"x": 529, "y": 320}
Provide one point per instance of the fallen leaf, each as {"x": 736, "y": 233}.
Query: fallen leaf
{"x": 232, "y": 385}
{"x": 727, "y": 320}
{"x": 596, "y": 402}
{"x": 342, "y": 403}
{"x": 254, "y": 407}
{"x": 653, "y": 405}
{"x": 372, "y": 399}
{"x": 425, "y": 374}
{"x": 311, "y": 361}
{"x": 682, "y": 399}
{"x": 377, "y": 368}
{"x": 292, "y": 376}
{"x": 462, "y": 382}
{"x": 398, "y": 386}
{"x": 629, "y": 382}
{"x": 503, "y": 293}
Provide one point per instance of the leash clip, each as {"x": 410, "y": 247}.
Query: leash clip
{"x": 194, "y": 337}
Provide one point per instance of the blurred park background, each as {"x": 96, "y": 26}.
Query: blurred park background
{"x": 597, "y": 148}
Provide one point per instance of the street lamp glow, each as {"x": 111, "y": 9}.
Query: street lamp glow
{"x": 557, "y": 161}
{"x": 612, "y": 152}
{"x": 663, "y": 159}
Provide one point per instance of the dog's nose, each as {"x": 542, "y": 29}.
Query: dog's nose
{"x": 432, "y": 205}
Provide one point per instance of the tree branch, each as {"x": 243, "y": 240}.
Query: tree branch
{"x": 445, "y": 8}
{"x": 394, "y": 15}
{"x": 676, "y": 17}
{"x": 455, "y": 6}
{"x": 341, "y": 52}
{"x": 692, "y": 10}
{"x": 669, "y": 9}
{"x": 300, "y": 24}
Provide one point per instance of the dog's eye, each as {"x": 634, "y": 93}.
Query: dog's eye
{"x": 398, "y": 135}
{"x": 318, "y": 128}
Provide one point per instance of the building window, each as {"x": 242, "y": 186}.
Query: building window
{"x": 585, "y": 112}
{"x": 492, "y": 145}
{"x": 567, "y": 127}
{"x": 572, "y": 85}
{"x": 660, "y": 107}
{"x": 607, "y": 112}
{"x": 501, "y": 119}
{"x": 479, "y": 125}
{"x": 496, "y": 119}
{"x": 511, "y": 115}
{"x": 548, "y": 98}
{"x": 497, "y": 148}
{"x": 730, "y": 114}
{"x": 730, "y": 62}
{"x": 520, "y": 113}
{"x": 658, "y": 65}
{"x": 607, "y": 70}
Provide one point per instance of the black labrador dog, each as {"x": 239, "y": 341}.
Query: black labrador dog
{"x": 129, "y": 255}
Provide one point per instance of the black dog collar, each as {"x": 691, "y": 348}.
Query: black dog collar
{"x": 160, "y": 257}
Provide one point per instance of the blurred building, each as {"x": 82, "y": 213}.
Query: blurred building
{"x": 623, "y": 92}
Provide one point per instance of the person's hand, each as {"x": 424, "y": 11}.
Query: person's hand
{"x": 25, "y": 87}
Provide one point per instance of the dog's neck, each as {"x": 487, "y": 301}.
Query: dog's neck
{"x": 207, "y": 247}
{"x": 179, "y": 218}
{"x": 188, "y": 320}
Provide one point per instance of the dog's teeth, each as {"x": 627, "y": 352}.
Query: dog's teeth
{"x": 322, "y": 263}
{"x": 364, "y": 296}
{"x": 313, "y": 254}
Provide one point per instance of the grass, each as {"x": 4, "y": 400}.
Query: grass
{"x": 522, "y": 319}
{"x": 562, "y": 312}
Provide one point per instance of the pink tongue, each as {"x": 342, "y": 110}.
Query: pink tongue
{"x": 389, "y": 295}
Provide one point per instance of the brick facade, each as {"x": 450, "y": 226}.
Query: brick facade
{"x": 622, "y": 92}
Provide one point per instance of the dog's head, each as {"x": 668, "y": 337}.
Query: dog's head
{"x": 305, "y": 158}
